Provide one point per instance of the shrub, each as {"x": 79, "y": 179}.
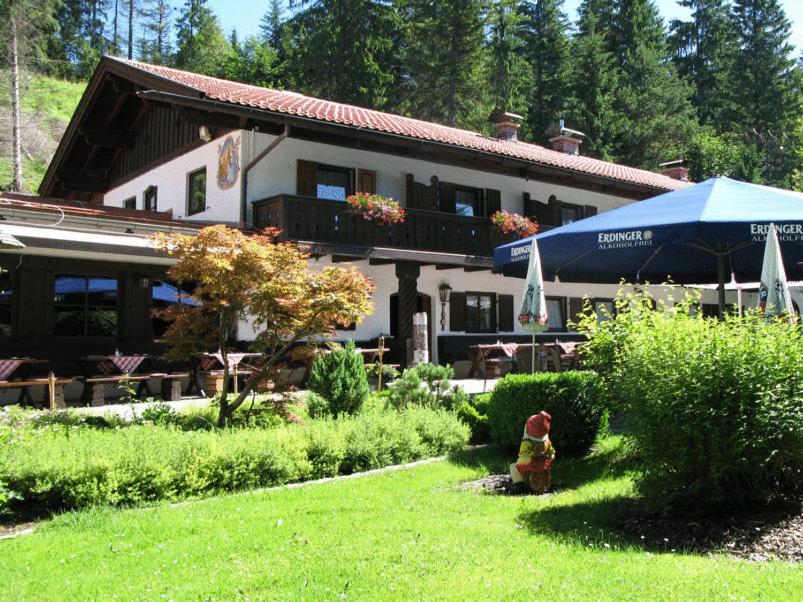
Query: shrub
{"x": 317, "y": 406}
{"x": 425, "y": 385}
{"x": 715, "y": 408}
{"x": 56, "y": 468}
{"x": 574, "y": 399}
{"x": 474, "y": 412}
{"x": 340, "y": 378}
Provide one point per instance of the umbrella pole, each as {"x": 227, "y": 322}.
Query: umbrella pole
{"x": 721, "y": 279}
{"x": 532, "y": 357}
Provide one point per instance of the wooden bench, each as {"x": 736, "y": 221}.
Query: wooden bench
{"x": 94, "y": 393}
{"x": 56, "y": 394}
{"x": 214, "y": 381}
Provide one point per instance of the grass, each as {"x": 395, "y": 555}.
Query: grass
{"x": 404, "y": 535}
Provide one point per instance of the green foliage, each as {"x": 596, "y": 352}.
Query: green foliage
{"x": 340, "y": 378}
{"x": 474, "y": 412}
{"x": 426, "y": 385}
{"x": 55, "y": 468}
{"x": 711, "y": 155}
{"x": 715, "y": 408}
{"x": 201, "y": 46}
{"x": 317, "y": 405}
{"x": 574, "y": 399}
{"x": 508, "y": 70}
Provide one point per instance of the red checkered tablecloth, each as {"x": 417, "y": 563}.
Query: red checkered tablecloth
{"x": 8, "y": 367}
{"x": 116, "y": 364}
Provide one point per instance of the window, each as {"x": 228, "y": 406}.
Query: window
{"x": 467, "y": 201}
{"x": 130, "y": 203}
{"x": 570, "y": 213}
{"x": 556, "y": 313}
{"x": 196, "y": 191}
{"x": 603, "y": 308}
{"x": 85, "y": 306}
{"x": 335, "y": 183}
{"x": 480, "y": 312}
{"x": 150, "y": 198}
{"x": 6, "y": 300}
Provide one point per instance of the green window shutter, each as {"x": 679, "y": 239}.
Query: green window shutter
{"x": 554, "y": 207}
{"x": 446, "y": 194}
{"x": 494, "y": 321}
{"x": 307, "y": 178}
{"x": 505, "y": 305}
{"x": 493, "y": 201}
{"x": 457, "y": 312}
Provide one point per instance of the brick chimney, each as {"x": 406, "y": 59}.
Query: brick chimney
{"x": 677, "y": 170}
{"x": 566, "y": 144}
{"x": 505, "y": 125}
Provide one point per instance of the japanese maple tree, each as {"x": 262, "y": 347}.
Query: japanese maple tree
{"x": 253, "y": 277}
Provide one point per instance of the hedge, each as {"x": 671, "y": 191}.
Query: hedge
{"x": 714, "y": 407}
{"x": 574, "y": 399}
{"x": 56, "y": 469}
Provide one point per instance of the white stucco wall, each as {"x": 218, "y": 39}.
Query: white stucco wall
{"x": 276, "y": 174}
{"x": 171, "y": 180}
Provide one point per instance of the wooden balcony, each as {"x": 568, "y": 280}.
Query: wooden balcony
{"x": 333, "y": 222}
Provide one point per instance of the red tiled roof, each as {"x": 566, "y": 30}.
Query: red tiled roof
{"x": 29, "y": 202}
{"x": 297, "y": 105}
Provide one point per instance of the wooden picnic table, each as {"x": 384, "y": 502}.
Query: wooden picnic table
{"x": 207, "y": 362}
{"x": 559, "y": 353}
{"x": 100, "y": 370}
{"x": 18, "y": 369}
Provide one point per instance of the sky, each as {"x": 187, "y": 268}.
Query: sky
{"x": 244, "y": 15}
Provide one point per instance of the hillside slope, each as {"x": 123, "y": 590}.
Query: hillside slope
{"x": 47, "y": 106}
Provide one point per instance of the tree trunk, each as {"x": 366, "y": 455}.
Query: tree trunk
{"x": 16, "y": 132}
{"x": 130, "y": 29}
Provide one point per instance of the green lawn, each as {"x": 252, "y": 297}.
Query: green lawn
{"x": 404, "y": 535}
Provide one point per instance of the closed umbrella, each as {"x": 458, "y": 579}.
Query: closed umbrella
{"x": 533, "y": 314}
{"x": 773, "y": 292}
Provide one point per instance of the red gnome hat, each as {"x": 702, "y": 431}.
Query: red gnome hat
{"x": 538, "y": 424}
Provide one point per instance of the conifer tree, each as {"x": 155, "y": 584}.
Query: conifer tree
{"x": 702, "y": 50}
{"x": 508, "y": 70}
{"x": 270, "y": 25}
{"x": 343, "y": 50}
{"x": 445, "y": 58}
{"x": 544, "y": 29}
{"x": 200, "y": 43}
{"x": 154, "y": 45}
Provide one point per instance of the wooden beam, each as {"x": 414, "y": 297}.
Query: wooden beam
{"x": 345, "y": 259}
{"x": 446, "y": 266}
{"x": 475, "y": 269}
{"x": 208, "y": 118}
{"x": 380, "y": 261}
{"x": 82, "y": 183}
{"x": 107, "y": 138}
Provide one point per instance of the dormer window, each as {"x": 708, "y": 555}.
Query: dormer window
{"x": 150, "y": 198}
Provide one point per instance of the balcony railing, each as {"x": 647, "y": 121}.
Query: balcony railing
{"x": 333, "y": 222}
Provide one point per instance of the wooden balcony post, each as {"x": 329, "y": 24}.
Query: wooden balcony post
{"x": 407, "y": 273}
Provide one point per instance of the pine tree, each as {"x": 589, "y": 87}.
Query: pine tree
{"x": 154, "y": 45}
{"x": 200, "y": 43}
{"x": 132, "y": 11}
{"x": 344, "y": 50}
{"x": 593, "y": 82}
{"x": 702, "y": 50}
{"x": 444, "y": 57}
{"x": 544, "y": 30}
{"x": 763, "y": 79}
{"x": 508, "y": 70}
{"x": 270, "y": 26}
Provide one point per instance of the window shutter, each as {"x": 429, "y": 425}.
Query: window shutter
{"x": 366, "y": 181}
{"x": 493, "y": 201}
{"x": 494, "y": 321}
{"x": 307, "y": 178}
{"x": 575, "y": 308}
{"x": 554, "y": 207}
{"x": 447, "y": 202}
{"x": 457, "y": 312}
{"x": 589, "y": 211}
{"x": 505, "y": 304}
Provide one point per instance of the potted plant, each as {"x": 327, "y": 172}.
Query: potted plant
{"x": 512, "y": 223}
{"x": 376, "y": 208}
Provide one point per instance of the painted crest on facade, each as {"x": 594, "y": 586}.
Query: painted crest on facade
{"x": 228, "y": 162}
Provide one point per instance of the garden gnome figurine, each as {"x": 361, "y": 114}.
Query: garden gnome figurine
{"x": 534, "y": 465}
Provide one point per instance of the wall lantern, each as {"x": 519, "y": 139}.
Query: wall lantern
{"x": 445, "y": 292}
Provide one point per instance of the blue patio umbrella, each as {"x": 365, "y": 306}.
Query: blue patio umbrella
{"x": 695, "y": 235}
